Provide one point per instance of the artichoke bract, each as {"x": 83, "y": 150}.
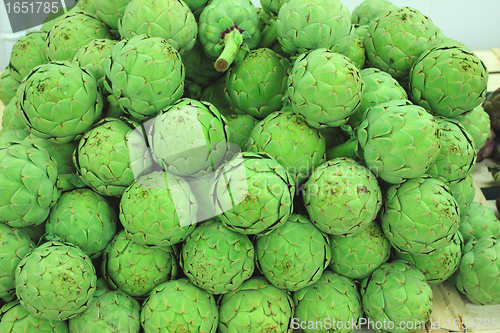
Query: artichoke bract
{"x": 304, "y": 25}
{"x": 8, "y": 87}
{"x": 254, "y": 192}
{"x": 112, "y": 155}
{"x": 255, "y": 307}
{"x": 168, "y": 19}
{"x": 56, "y": 281}
{"x": 368, "y": 11}
{"x": 464, "y": 192}
{"x": 28, "y": 177}
{"x": 27, "y": 53}
{"x": 457, "y": 157}
{"x": 190, "y": 138}
{"x": 256, "y": 85}
{"x": 397, "y": 39}
{"x": 342, "y": 197}
{"x": 358, "y": 255}
{"x": 12, "y": 118}
{"x": 110, "y": 12}
{"x": 477, "y": 275}
{"x": 325, "y": 87}
{"x": 217, "y": 259}
{"x": 423, "y": 225}
{"x": 8, "y": 135}
{"x": 59, "y": 115}
{"x": 14, "y": 318}
{"x": 158, "y": 209}
{"x": 448, "y": 81}
{"x": 144, "y": 75}
{"x": 227, "y": 29}
{"x": 294, "y": 255}
{"x": 179, "y": 306}
{"x": 439, "y": 264}
{"x": 137, "y": 269}
{"x": 477, "y": 123}
{"x": 286, "y": 136}
{"x": 333, "y": 302}
{"x": 242, "y": 125}
{"x": 478, "y": 221}
{"x": 399, "y": 141}
{"x": 112, "y": 311}
{"x": 71, "y": 32}
{"x": 398, "y": 295}
{"x": 14, "y": 245}
{"x": 84, "y": 218}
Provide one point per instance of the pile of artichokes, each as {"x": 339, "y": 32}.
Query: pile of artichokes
{"x": 210, "y": 166}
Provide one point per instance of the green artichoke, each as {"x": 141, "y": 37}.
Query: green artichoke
{"x": 61, "y": 115}
{"x": 257, "y": 306}
{"x": 158, "y": 209}
{"x": 423, "y": 225}
{"x": 477, "y": 123}
{"x": 112, "y": 155}
{"x": 304, "y": 25}
{"x": 369, "y": 10}
{"x": 342, "y": 197}
{"x": 14, "y": 319}
{"x": 216, "y": 95}
{"x": 272, "y": 7}
{"x": 286, "y": 136}
{"x": 448, "y": 81}
{"x": 196, "y": 6}
{"x": 325, "y": 87}
{"x": 357, "y": 52}
{"x": 217, "y": 259}
{"x": 110, "y": 12}
{"x": 399, "y": 141}
{"x": 71, "y": 32}
{"x": 15, "y": 244}
{"x": 478, "y": 221}
{"x": 358, "y": 255}
{"x": 136, "y": 269}
{"x": 439, "y": 264}
{"x": 8, "y": 87}
{"x": 227, "y": 29}
{"x": 380, "y": 87}
{"x": 168, "y": 19}
{"x": 179, "y": 306}
{"x": 242, "y": 126}
{"x": 463, "y": 191}
{"x": 254, "y": 192}
{"x": 398, "y": 295}
{"x": 199, "y": 67}
{"x": 8, "y": 135}
{"x": 27, "y": 53}
{"x": 144, "y": 75}
{"x": 329, "y": 303}
{"x": 56, "y": 281}
{"x": 477, "y": 275}
{"x": 190, "y": 138}
{"x": 396, "y": 40}
{"x": 256, "y": 85}
{"x": 294, "y": 255}
{"x": 28, "y": 178}
{"x": 457, "y": 157}
{"x": 84, "y": 218}
{"x": 11, "y": 117}
{"x": 112, "y": 311}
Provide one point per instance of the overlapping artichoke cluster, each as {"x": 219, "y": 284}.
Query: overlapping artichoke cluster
{"x": 210, "y": 166}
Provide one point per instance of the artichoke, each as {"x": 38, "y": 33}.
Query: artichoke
{"x": 491, "y": 106}
{"x": 477, "y": 123}
{"x": 144, "y": 75}
{"x": 216, "y": 95}
{"x": 358, "y": 255}
{"x": 272, "y": 7}
{"x": 463, "y": 191}
{"x": 342, "y": 197}
{"x": 28, "y": 178}
{"x": 27, "y": 53}
{"x": 357, "y": 52}
{"x": 423, "y": 225}
{"x": 325, "y": 87}
{"x": 60, "y": 115}
{"x": 293, "y": 256}
{"x": 448, "y": 81}
{"x": 8, "y": 135}
{"x": 110, "y": 12}
{"x": 168, "y": 19}
{"x": 217, "y": 259}
{"x": 112, "y": 155}
{"x": 158, "y": 209}
{"x": 56, "y": 281}
{"x": 242, "y": 126}
{"x": 257, "y": 306}
{"x": 199, "y": 67}
{"x": 11, "y": 117}
{"x": 478, "y": 221}
{"x": 196, "y": 6}
{"x": 286, "y": 136}
{"x": 254, "y": 192}
{"x": 256, "y": 85}
{"x": 14, "y": 319}
{"x": 331, "y": 302}
{"x": 304, "y": 25}
{"x": 398, "y": 295}
{"x": 8, "y": 87}
{"x": 369, "y": 10}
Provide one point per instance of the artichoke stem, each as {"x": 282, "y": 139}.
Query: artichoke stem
{"x": 232, "y": 43}
{"x": 347, "y": 149}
